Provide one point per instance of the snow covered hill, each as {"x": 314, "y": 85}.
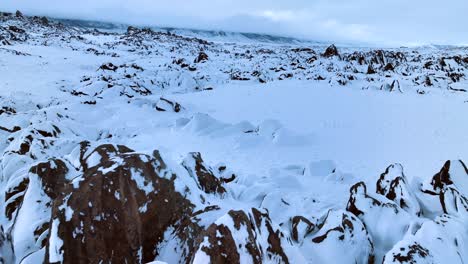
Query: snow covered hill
{"x": 150, "y": 146}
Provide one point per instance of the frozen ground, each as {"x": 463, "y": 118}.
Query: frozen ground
{"x": 297, "y": 128}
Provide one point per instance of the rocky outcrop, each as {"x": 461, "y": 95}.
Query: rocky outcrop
{"x": 18, "y": 14}
{"x": 371, "y": 211}
{"x": 331, "y": 51}
{"x": 202, "y": 57}
{"x": 130, "y": 202}
{"x": 343, "y": 232}
{"x": 394, "y": 185}
{"x": 414, "y": 253}
{"x": 370, "y": 69}
{"x": 447, "y": 191}
{"x": 242, "y": 237}
{"x": 203, "y": 174}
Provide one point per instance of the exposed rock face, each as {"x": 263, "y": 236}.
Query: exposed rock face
{"x": 130, "y": 202}
{"x": 370, "y": 69}
{"x": 240, "y": 237}
{"x": 447, "y": 191}
{"x": 393, "y": 185}
{"x": 19, "y": 14}
{"x": 44, "y": 20}
{"x": 202, "y": 56}
{"x": 35, "y": 192}
{"x": 331, "y": 51}
{"x": 203, "y": 175}
{"x": 389, "y": 67}
{"x": 452, "y": 173}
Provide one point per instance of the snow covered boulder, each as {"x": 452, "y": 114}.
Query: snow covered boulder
{"x": 394, "y": 185}
{"x": 202, "y": 174}
{"x": 331, "y": 51}
{"x": 28, "y": 206}
{"x": 389, "y": 67}
{"x": 370, "y": 69}
{"x": 108, "y": 67}
{"x": 164, "y": 105}
{"x": 243, "y": 237}
{"x": 447, "y": 191}
{"x": 386, "y": 222}
{"x": 202, "y": 57}
{"x": 342, "y": 238}
{"x": 452, "y": 173}
{"x": 117, "y": 211}
{"x": 18, "y": 14}
{"x": 444, "y": 240}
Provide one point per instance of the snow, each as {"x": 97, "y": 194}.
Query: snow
{"x": 55, "y": 248}
{"x": 296, "y": 146}
{"x": 141, "y": 182}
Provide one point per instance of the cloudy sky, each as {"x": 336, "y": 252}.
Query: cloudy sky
{"x": 391, "y": 22}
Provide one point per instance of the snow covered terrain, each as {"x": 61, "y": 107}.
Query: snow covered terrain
{"x": 154, "y": 147}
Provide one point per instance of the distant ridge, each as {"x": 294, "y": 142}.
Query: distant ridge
{"x": 212, "y": 35}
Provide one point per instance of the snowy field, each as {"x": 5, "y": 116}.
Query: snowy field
{"x": 289, "y": 131}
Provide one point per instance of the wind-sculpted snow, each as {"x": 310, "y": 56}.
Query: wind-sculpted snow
{"x": 118, "y": 166}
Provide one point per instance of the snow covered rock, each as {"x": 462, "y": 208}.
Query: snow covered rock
{"x": 243, "y": 237}
{"x": 447, "y": 191}
{"x": 443, "y": 240}
{"x": 452, "y": 173}
{"x": 331, "y": 51}
{"x": 375, "y": 213}
{"x": 164, "y": 105}
{"x": 203, "y": 174}
{"x": 340, "y": 231}
{"x": 393, "y": 184}
{"x": 202, "y": 57}
{"x": 130, "y": 201}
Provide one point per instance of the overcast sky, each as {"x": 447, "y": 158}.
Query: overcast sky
{"x": 392, "y": 22}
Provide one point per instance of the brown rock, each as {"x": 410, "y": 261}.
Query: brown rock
{"x": 331, "y": 51}
{"x": 250, "y": 239}
{"x": 389, "y": 67}
{"x": 202, "y": 57}
{"x": 370, "y": 69}
{"x": 118, "y": 210}
{"x": 203, "y": 174}
{"x": 297, "y": 222}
